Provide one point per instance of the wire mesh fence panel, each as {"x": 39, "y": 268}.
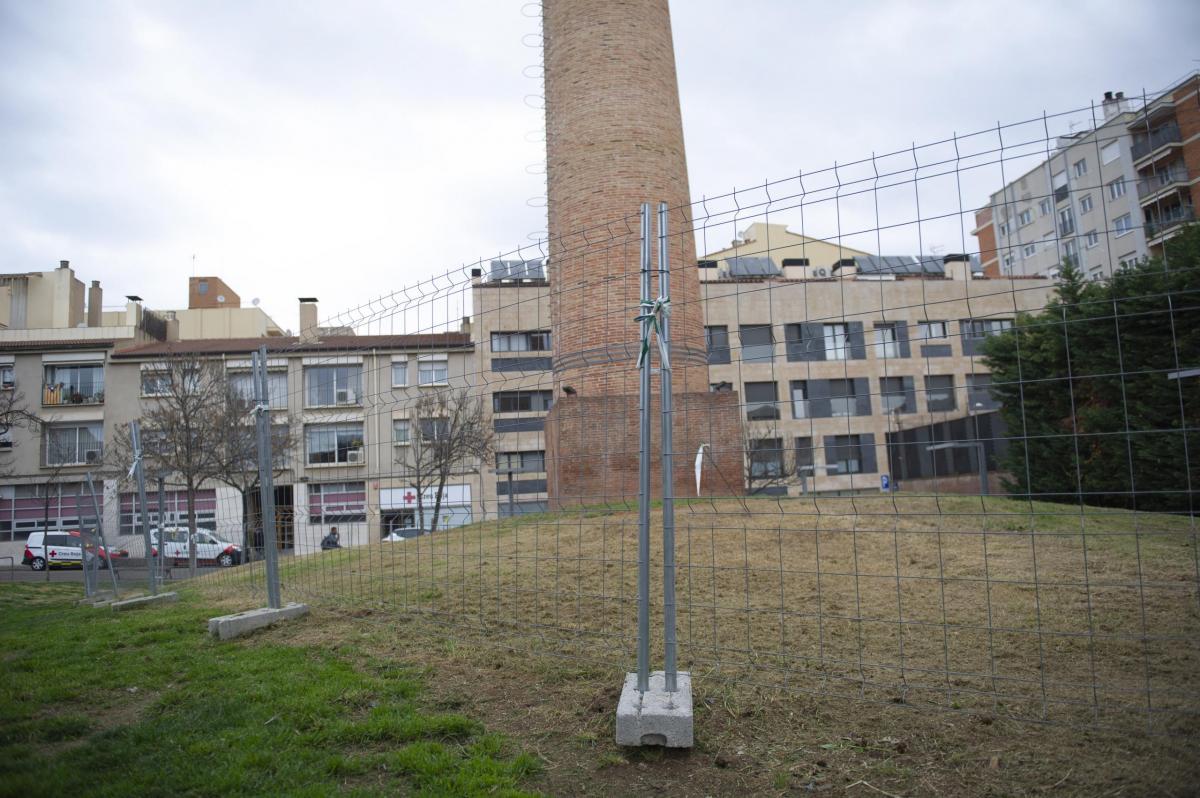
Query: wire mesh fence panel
{"x": 935, "y": 436}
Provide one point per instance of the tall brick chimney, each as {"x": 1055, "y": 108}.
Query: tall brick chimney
{"x": 614, "y": 139}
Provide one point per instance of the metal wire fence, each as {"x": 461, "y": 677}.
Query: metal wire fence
{"x": 934, "y": 418}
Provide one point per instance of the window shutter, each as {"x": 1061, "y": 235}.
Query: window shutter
{"x": 968, "y": 343}
{"x": 832, "y": 454}
{"x": 902, "y": 337}
{"x": 862, "y": 396}
{"x": 866, "y": 451}
{"x": 818, "y": 399}
{"x": 858, "y": 346}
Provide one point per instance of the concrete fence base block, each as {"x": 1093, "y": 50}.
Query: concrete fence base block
{"x": 230, "y": 626}
{"x": 144, "y": 601}
{"x": 656, "y": 717}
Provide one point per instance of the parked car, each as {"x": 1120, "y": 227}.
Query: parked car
{"x": 209, "y": 548}
{"x": 62, "y": 549}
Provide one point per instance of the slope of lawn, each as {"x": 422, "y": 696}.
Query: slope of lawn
{"x": 145, "y": 703}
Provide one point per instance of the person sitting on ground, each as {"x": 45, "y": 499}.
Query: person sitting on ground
{"x": 330, "y": 541}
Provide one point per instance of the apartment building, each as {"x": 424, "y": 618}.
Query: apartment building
{"x": 1105, "y": 197}
{"x": 1079, "y": 203}
{"x": 847, "y": 365}
{"x": 1166, "y": 159}
{"x": 346, "y": 401}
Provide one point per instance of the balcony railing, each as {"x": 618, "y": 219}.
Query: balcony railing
{"x": 1144, "y": 145}
{"x": 61, "y": 395}
{"x": 1177, "y": 173}
{"x": 1169, "y": 218}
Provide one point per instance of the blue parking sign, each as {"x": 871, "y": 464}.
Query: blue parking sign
{"x": 885, "y": 484}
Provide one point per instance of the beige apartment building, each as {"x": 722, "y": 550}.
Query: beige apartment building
{"x": 847, "y": 364}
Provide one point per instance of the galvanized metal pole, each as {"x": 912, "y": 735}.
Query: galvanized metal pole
{"x": 160, "y": 559}
{"x": 112, "y": 573}
{"x": 266, "y": 483}
{"x": 983, "y": 472}
{"x": 140, "y": 474}
{"x": 643, "y": 649}
{"x": 668, "y": 453}
{"x": 88, "y": 590}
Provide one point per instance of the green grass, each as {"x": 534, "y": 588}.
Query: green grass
{"x": 145, "y": 703}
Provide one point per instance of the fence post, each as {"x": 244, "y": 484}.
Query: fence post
{"x": 160, "y": 559}
{"x": 643, "y": 643}
{"x": 112, "y": 573}
{"x": 139, "y": 473}
{"x": 668, "y": 469}
{"x": 266, "y": 484}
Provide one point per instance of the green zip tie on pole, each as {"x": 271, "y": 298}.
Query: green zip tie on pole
{"x": 654, "y": 312}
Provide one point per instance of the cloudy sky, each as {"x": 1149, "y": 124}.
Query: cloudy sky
{"x": 348, "y": 149}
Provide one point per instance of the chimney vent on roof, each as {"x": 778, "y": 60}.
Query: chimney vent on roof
{"x": 308, "y": 318}
{"x": 64, "y": 264}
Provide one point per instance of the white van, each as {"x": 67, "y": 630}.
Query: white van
{"x": 59, "y": 548}
{"x": 209, "y": 548}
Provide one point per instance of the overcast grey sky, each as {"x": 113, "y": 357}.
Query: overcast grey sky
{"x": 347, "y": 149}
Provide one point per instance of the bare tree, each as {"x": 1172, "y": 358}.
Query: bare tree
{"x": 15, "y": 414}
{"x": 237, "y": 451}
{"x": 766, "y": 456}
{"x": 181, "y": 429}
{"x": 448, "y": 435}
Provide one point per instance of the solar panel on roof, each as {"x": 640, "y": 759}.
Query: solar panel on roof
{"x": 747, "y": 266}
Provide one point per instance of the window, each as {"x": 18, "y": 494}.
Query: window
{"x": 156, "y": 383}
{"x": 1080, "y": 167}
{"x": 1110, "y": 152}
{"x": 435, "y": 429}
{"x": 1123, "y": 224}
{"x": 400, "y": 431}
{"x": 1128, "y": 260}
{"x": 334, "y": 443}
{"x": 837, "y": 341}
{"x": 758, "y": 344}
{"x": 531, "y": 341}
{"x": 887, "y": 341}
{"x": 799, "y": 399}
{"x": 979, "y": 392}
{"x": 766, "y": 458}
{"x": 329, "y": 386}
{"x": 399, "y": 373}
{"x": 522, "y": 401}
{"x": 202, "y": 287}
{"x": 842, "y": 400}
{"x": 6, "y": 441}
{"x": 337, "y": 502}
{"x": 1025, "y": 217}
{"x": 895, "y": 395}
{"x": 433, "y": 372}
{"x": 1044, "y": 207}
{"x": 80, "y": 444}
{"x": 174, "y": 510}
{"x": 1071, "y": 249}
{"x": 1066, "y": 222}
{"x": 1029, "y": 250}
{"x": 939, "y": 392}
{"x": 1004, "y": 228}
{"x": 241, "y": 383}
{"x": 7, "y": 380}
{"x": 1085, "y": 203}
{"x": 1061, "y": 191}
{"x": 982, "y": 328}
{"x": 804, "y": 455}
{"x": 1009, "y": 260}
{"x": 928, "y": 330}
{"x": 524, "y": 462}
{"x": 1116, "y": 189}
{"x": 1092, "y": 239}
{"x": 760, "y": 401}
{"x": 74, "y": 385}
{"x": 717, "y": 341}
{"x": 845, "y": 453}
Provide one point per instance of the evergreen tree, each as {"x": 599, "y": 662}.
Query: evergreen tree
{"x": 1091, "y": 413}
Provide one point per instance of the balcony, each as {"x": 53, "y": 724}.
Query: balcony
{"x": 1061, "y": 194}
{"x": 1146, "y": 144}
{"x": 61, "y": 395}
{"x": 1152, "y": 184}
{"x": 57, "y": 453}
{"x": 1169, "y": 218}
